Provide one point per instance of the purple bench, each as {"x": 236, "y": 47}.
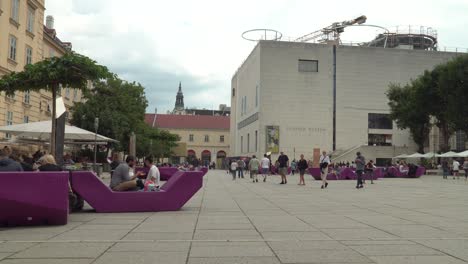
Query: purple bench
{"x": 396, "y": 172}
{"x": 33, "y": 198}
{"x": 173, "y": 194}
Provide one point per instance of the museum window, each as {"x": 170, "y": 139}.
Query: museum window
{"x": 190, "y": 137}
{"x": 379, "y": 140}
{"x": 31, "y": 19}
{"x": 256, "y": 140}
{"x": 12, "y": 50}
{"x": 308, "y": 65}
{"x": 27, "y": 97}
{"x": 233, "y": 92}
{"x": 15, "y": 10}
{"x": 207, "y": 138}
{"x": 221, "y": 138}
{"x": 29, "y": 54}
{"x": 256, "y": 96}
{"x": 248, "y": 143}
{"x": 26, "y": 119}
{"x": 379, "y": 121}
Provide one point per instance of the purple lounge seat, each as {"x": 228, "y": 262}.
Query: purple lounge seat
{"x": 172, "y": 196}
{"x": 167, "y": 172}
{"x": 347, "y": 174}
{"x": 33, "y": 198}
{"x": 315, "y": 173}
{"x": 204, "y": 170}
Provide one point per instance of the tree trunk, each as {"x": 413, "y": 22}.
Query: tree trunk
{"x": 444, "y": 145}
{"x": 54, "y": 124}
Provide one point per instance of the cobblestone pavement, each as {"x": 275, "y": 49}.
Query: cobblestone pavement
{"x": 392, "y": 221}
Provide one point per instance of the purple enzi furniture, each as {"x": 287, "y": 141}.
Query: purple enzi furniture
{"x": 167, "y": 172}
{"x": 33, "y": 198}
{"x": 173, "y": 194}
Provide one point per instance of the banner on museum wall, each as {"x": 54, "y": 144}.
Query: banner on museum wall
{"x": 316, "y": 158}
{"x": 272, "y": 139}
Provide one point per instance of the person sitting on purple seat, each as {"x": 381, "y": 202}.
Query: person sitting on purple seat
{"x": 6, "y": 163}
{"x": 121, "y": 179}
{"x": 47, "y": 163}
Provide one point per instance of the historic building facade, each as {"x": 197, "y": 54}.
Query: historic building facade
{"x": 24, "y": 39}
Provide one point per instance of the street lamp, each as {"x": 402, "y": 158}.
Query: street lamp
{"x": 96, "y": 126}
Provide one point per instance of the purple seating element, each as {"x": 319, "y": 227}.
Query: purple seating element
{"x": 315, "y": 173}
{"x": 33, "y": 198}
{"x": 396, "y": 172}
{"x": 173, "y": 194}
{"x": 167, "y": 172}
{"x": 204, "y": 170}
{"x": 348, "y": 174}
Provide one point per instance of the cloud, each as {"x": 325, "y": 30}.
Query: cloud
{"x": 159, "y": 43}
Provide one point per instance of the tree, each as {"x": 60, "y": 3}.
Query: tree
{"x": 405, "y": 110}
{"x": 120, "y": 107}
{"x": 70, "y": 70}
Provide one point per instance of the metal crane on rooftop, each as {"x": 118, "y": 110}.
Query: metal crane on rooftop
{"x": 332, "y": 32}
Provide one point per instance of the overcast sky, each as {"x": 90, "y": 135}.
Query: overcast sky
{"x": 159, "y": 43}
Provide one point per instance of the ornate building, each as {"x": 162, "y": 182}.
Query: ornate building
{"x": 179, "y": 104}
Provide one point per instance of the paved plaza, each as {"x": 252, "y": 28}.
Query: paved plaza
{"x": 393, "y": 221}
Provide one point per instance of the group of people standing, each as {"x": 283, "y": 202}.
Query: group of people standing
{"x": 264, "y": 166}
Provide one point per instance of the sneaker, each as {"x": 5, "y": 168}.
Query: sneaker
{"x": 256, "y": 180}
{"x": 324, "y": 187}
{"x": 326, "y": 184}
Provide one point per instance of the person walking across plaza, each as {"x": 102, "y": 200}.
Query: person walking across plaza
{"x": 445, "y": 169}
{"x": 465, "y": 167}
{"x": 254, "y": 164}
{"x": 265, "y": 163}
{"x": 293, "y": 167}
{"x": 455, "y": 169}
{"x": 302, "y": 167}
{"x": 360, "y": 164}
{"x": 324, "y": 162}
{"x": 283, "y": 161}
{"x": 370, "y": 167}
{"x": 240, "y": 168}
{"x": 233, "y": 169}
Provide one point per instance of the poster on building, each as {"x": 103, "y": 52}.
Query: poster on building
{"x": 272, "y": 139}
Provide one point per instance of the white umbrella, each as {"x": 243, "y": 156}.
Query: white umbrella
{"x": 463, "y": 154}
{"x": 42, "y": 130}
{"x": 449, "y": 154}
{"x": 429, "y": 155}
{"x": 402, "y": 156}
{"x": 415, "y": 155}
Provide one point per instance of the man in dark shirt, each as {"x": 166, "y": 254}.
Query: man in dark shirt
{"x": 7, "y": 164}
{"x": 283, "y": 161}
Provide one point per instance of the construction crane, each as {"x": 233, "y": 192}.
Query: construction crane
{"x": 332, "y": 32}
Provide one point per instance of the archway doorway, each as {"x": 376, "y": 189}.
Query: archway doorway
{"x": 206, "y": 158}
{"x": 220, "y": 158}
{"x": 191, "y": 156}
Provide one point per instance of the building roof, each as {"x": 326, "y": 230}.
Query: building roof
{"x": 188, "y": 121}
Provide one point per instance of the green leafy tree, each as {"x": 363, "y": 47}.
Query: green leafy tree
{"x": 405, "y": 110}
{"x": 120, "y": 107}
{"x": 70, "y": 70}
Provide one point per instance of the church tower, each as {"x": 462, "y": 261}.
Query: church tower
{"x": 179, "y": 104}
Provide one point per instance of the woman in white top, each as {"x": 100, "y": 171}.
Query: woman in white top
{"x": 233, "y": 169}
{"x": 455, "y": 168}
{"x": 153, "y": 173}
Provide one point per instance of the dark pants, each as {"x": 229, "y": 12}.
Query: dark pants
{"x": 359, "y": 178}
{"x": 240, "y": 172}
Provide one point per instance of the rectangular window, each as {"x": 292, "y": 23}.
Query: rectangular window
{"x": 245, "y": 104}
{"x": 207, "y": 138}
{"x": 15, "y": 10}
{"x": 190, "y": 137}
{"x": 12, "y": 50}
{"x": 256, "y": 140}
{"x": 242, "y": 144}
{"x": 26, "y": 119}
{"x": 308, "y": 65}
{"x": 27, "y": 97}
{"x": 31, "y": 19}
{"x": 9, "y": 120}
{"x": 256, "y": 96}
{"x": 248, "y": 142}
{"x": 233, "y": 92}
{"x": 221, "y": 138}
{"x": 379, "y": 121}
{"x": 67, "y": 93}
{"x": 379, "y": 140}
{"x": 75, "y": 95}
{"x": 29, "y": 54}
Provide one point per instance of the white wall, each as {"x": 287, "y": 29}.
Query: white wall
{"x": 302, "y": 103}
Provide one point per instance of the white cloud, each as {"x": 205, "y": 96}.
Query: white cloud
{"x": 158, "y": 43}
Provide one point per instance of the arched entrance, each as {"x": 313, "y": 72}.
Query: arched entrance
{"x": 191, "y": 156}
{"x": 220, "y": 158}
{"x": 206, "y": 157}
